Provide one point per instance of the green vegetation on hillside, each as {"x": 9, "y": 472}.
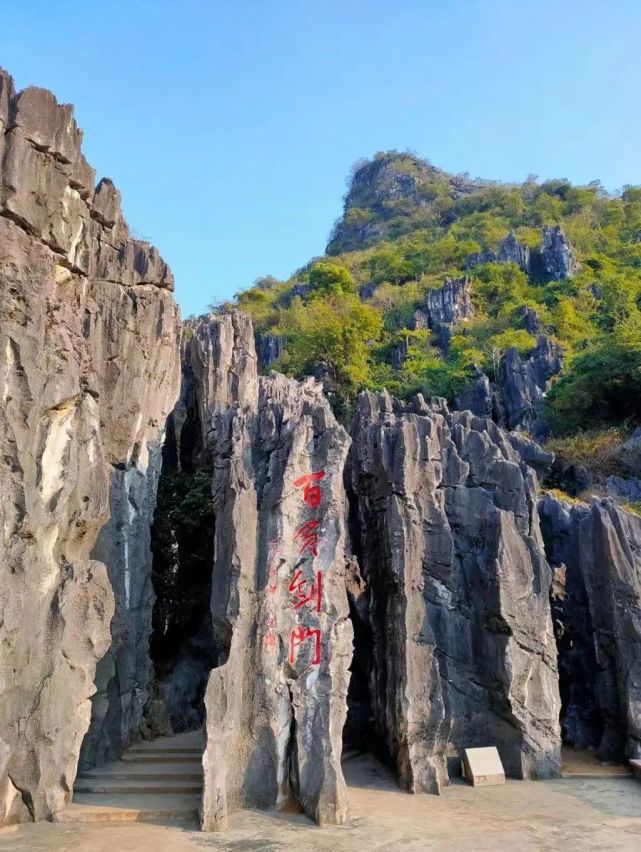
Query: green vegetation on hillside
{"x": 406, "y": 227}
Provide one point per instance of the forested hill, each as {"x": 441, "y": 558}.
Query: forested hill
{"x": 521, "y": 301}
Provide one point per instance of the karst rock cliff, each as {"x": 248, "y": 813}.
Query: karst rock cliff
{"x": 434, "y": 539}
{"x": 397, "y": 582}
{"x": 90, "y": 369}
{"x": 276, "y": 705}
{"x": 595, "y": 552}
{"x": 462, "y": 649}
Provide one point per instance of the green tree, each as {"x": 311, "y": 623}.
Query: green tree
{"x": 602, "y": 386}
{"x": 335, "y": 330}
{"x": 327, "y": 278}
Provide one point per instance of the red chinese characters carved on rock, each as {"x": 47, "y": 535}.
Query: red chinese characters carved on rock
{"x": 311, "y": 491}
{"x": 300, "y": 635}
{"x": 308, "y": 537}
{"x": 307, "y": 590}
{"x": 303, "y": 590}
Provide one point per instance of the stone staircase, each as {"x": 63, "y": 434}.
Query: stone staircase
{"x": 156, "y": 781}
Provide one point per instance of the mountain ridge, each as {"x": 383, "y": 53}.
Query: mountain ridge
{"x": 541, "y": 259}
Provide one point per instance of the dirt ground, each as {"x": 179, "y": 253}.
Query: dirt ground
{"x": 569, "y": 814}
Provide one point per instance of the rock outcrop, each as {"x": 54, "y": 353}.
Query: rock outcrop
{"x": 524, "y": 384}
{"x": 445, "y": 307}
{"x": 462, "y": 649}
{"x": 596, "y": 555}
{"x": 479, "y": 398}
{"x": 517, "y": 399}
{"x": 556, "y": 254}
{"x": 269, "y": 348}
{"x": 554, "y": 259}
{"x": 276, "y": 705}
{"x": 512, "y": 251}
{"x": 88, "y": 336}
{"x": 449, "y": 304}
{"x": 385, "y": 190}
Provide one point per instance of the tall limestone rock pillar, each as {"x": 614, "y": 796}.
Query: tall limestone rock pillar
{"x": 276, "y": 705}
{"x": 463, "y": 652}
{"x": 596, "y": 554}
{"x": 89, "y": 370}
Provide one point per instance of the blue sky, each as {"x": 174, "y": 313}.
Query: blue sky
{"x": 230, "y": 127}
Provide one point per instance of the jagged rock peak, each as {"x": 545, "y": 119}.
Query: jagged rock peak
{"x": 557, "y": 254}
{"x": 269, "y": 348}
{"x": 512, "y": 251}
{"x": 279, "y": 599}
{"x": 458, "y": 586}
{"x": 525, "y": 382}
{"x": 48, "y": 189}
{"x": 554, "y": 259}
{"x": 222, "y": 353}
{"x": 451, "y": 303}
{"x": 378, "y": 190}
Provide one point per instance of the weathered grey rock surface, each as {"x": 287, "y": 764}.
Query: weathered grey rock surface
{"x": 463, "y": 650}
{"x": 89, "y": 363}
{"x": 479, "y": 398}
{"x": 269, "y": 348}
{"x": 512, "y": 251}
{"x": 596, "y": 554}
{"x": 557, "y": 255}
{"x": 445, "y": 307}
{"x": 276, "y": 706}
{"x": 524, "y": 384}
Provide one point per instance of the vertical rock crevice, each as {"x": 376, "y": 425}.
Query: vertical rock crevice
{"x": 182, "y": 647}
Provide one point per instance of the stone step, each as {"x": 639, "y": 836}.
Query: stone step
{"x": 159, "y": 757}
{"x": 115, "y": 785}
{"x": 150, "y": 771}
{"x": 100, "y": 808}
{"x": 156, "y": 749}
{"x": 584, "y": 764}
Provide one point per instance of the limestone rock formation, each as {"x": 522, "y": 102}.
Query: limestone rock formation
{"x": 382, "y": 191}
{"x": 479, "y": 397}
{"x": 596, "y": 551}
{"x": 517, "y": 399}
{"x": 269, "y": 348}
{"x": 479, "y": 257}
{"x": 512, "y": 251}
{"x": 554, "y": 259}
{"x": 462, "y": 649}
{"x": 449, "y": 304}
{"x": 277, "y": 703}
{"x": 445, "y": 306}
{"x": 88, "y": 336}
{"x": 531, "y": 322}
{"x": 524, "y": 384}
{"x": 629, "y": 488}
{"x": 399, "y": 353}
{"x": 557, "y": 255}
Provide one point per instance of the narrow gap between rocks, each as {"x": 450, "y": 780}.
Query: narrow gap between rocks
{"x": 361, "y": 733}
{"x": 582, "y": 722}
{"x": 182, "y": 646}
